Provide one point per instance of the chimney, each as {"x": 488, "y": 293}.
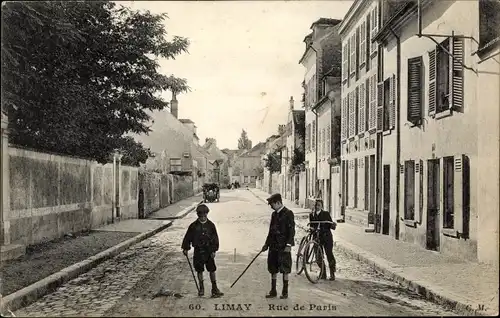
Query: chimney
{"x": 291, "y": 102}
{"x": 174, "y": 106}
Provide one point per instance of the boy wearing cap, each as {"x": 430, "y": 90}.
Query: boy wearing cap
{"x": 325, "y": 234}
{"x": 202, "y": 234}
{"x": 279, "y": 241}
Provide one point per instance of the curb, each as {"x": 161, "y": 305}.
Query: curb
{"x": 47, "y": 285}
{"x": 181, "y": 214}
{"x": 420, "y": 287}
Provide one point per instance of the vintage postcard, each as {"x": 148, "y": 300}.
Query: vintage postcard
{"x": 250, "y": 158}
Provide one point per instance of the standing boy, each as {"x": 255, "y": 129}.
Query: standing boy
{"x": 202, "y": 234}
{"x": 280, "y": 240}
{"x": 321, "y": 219}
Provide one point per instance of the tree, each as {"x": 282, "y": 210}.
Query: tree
{"x": 244, "y": 142}
{"x": 273, "y": 161}
{"x": 77, "y": 77}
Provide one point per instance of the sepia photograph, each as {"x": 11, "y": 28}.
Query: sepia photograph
{"x": 250, "y": 158}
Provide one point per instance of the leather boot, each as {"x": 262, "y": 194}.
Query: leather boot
{"x": 332, "y": 273}
{"x": 284, "y": 292}
{"x": 216, "y": 293}
{"x": 273, "y": 293}
{"x": 201, "y": 292}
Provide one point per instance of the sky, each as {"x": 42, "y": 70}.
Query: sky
{"x": 242, "y": 64}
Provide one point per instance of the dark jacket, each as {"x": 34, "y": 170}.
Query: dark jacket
{"x": 201, "y": 236}
{"x": 281, "y": 230}
{"x": 325, "y": 234}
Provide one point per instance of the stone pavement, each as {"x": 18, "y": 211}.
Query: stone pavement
{"x": 172, "y": 211}
{"x": 471, "y": 286}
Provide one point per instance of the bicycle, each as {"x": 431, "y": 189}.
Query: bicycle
{"x": 311, "y": 252}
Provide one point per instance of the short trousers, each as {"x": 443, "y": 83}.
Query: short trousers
{"x": 202, "y": 260}
{"x": 279, "y": 261}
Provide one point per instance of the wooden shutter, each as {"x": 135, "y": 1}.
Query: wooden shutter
{"x": 351, "y": 115}
{"x": 352, "y": 66}
{"x": 373, "y": 102}
{"x": 374, "y": 28}
{"x": 361, "y": 111}
{"x": 432, "y": 82}
{"x": 458, "y": 193}
{"x": 345, "y": 58}
{"x": 380, "y": 106}
{"x": 418, "y": 190}
{"x": 356, "y": 110}
{"x": 414, "y": 110}
{"x": 362, "y": 44}
{"x": 342, "y": 119}
{"x": 366, "y": 103}
{"x": 392, "y": 101}
{"x": 457, "y": 74}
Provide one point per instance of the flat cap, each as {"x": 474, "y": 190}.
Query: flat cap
{"x": 274, "y": 198}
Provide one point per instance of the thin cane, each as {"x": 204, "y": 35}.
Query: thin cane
{"x": 195, "y": 281}
{"x": 246, "y": 269}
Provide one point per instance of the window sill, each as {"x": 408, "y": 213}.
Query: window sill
{"x": 450, "y": 232}
{"x": 443, "y": 114}
{"x": 410, "y": 223}
{"x": 387, "y": 132}
{"x": 412, "y": 125}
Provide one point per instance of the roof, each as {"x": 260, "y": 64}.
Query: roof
{"x": 186, "y": 121}
{"x": 309, "y": 36}
{"x": 259, "y": 148}
{"x": 327, "y": 21}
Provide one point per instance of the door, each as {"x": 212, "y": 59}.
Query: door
{"x": 433, "y": 205}
{"x": 387, "y": 199}
{"x": 372, "y": 184}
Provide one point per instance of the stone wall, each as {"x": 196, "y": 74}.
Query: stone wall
{"x": 51, "y": 195}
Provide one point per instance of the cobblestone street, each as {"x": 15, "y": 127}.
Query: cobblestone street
{"x": 126, "y": 285}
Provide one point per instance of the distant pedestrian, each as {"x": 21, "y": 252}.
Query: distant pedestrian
{"x": 202, "y": 234}
{"x": 279, "y": 241}
{"x": 325, "y": 234}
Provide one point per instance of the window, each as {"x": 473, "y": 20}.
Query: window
{"x": 361, "y": 108}
{"x": 345, "y": 62}
{"x": 415, "y": 79}
{"x": 446, "y": 76}
{"x": 373, "y": 102}
{"x": 362, "y": 44}
{"x": 386, "y": 104}
{"x": 308, "y": 135}
{"x": 252, "y": 178}
{"x": 352, "y": 67}
{"x": 368, "y": 41}
{"x": 345, "y": 118}
{"x": 175, "y": 164}
{"x": 374, "y": 30}
{"x": 245, "y": 179}
{"x": 409, "y": 200}
{"x": 358, "y": 36}
{"x": 352, "y": 114}
{"x": 448, "y": 193}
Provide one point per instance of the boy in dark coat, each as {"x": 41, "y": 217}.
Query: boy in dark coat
{"x": 280, "y": 240}
{"x": 202, "y": 234}
{"x": 325, "y": 234}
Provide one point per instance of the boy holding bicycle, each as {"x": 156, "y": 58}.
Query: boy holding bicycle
{"x": 321, "y": 219}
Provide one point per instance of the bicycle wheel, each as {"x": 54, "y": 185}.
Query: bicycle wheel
{"x": 313, "y": 261}
{"x": 299, "y": 262}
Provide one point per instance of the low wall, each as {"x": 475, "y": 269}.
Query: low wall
{"x": 51, "y": 195}
{"x": 160, "y": 190}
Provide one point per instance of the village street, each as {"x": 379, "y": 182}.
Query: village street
{"x": 126, "y": 285}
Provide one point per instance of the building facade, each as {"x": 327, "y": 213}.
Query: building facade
{"x": 359, "y": 134}
{"x": 430, "y": 97}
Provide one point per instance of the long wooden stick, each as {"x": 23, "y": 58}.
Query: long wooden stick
{"x": 192, "y": 272}
{"x": 246, "y": 269}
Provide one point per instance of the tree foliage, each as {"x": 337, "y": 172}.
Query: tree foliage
{"x": 78, "y": 76}
{"x": 244, "y": 142}
{"x": 273, "y": 161}
{"x": 298, "y": 157}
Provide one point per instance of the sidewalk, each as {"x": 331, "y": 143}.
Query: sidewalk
{"x": 58, "y": 260}
{"x": 171, "y": 212}
{"x": 468, "y": 287}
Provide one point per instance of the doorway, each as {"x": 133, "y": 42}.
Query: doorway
{"x": 433, "y": 194}
{"x": 387, "y": 200}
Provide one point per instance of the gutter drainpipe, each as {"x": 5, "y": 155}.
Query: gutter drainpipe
{"x": 398, "y": 131}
